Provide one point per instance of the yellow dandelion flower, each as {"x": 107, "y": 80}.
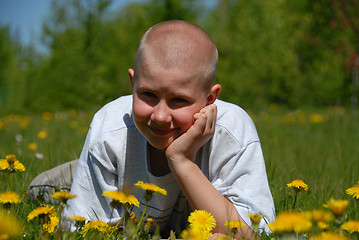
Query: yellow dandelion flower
{"x": 307, "y": 214}
{"x": 121, "y": 197}
{"x": 78, "y": 218}
{"x": 149, "y": 187}
{"x": 74, "y": 124}
{"x": 4, "y": 237}
{"x": 287, "y": 118}
{"x": 4, "y": 165}
{"x": 224, "y": 238}
{"x": 108, "y": 229}
{"x": 255, "y": 218}
{"x": 10, "y": 226}
{"x": 51, "y": 224}
{"x": 234, "y": 224}
{"x": 47, "y": 116}
{"x": 93, "y": 225}
{"x": 72, "y": 113}
{"x": 321, "y": 216}
{"x": 337, "y": 206}
{"x": 202, "y": 220}
{"x": 351, "y": 226}
{"x": 24, "y": 123}
{"x": 41, "y": 212}
{"x": 322, "y": 225}
{"x": 42, "y": 134}
{"x": 9, "y": 198}
{"x": 63, "y": 196}
{"x": 32, "y": 146}
{"x": 133, "y": 218}
{"x": 11, "y": 164}
{"x": 10, "y": 158}
{"x": 195, "y": 234}
{"x": 328, "y": 236}
{"x": 18, "y": 166}
{"x": 148, "y": 223}
{"x": 290, "y": 222}
{"x": 298, "y": 185}
{"x": 353, "y": 191}
{"x": 318, "y": 118}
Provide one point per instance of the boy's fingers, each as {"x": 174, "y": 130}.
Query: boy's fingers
{"x": 214, "y": 117}
{"x": 202, "y": 122}
{"x": 196, "y": 116}
{"x": 211, "y": 113}
{"x": 205, "y": 120}
{"x": 209, "y": 122}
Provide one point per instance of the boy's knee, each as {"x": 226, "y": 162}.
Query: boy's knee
{"x": 46, "y": 183}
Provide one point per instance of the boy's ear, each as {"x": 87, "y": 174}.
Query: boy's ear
{"x": 131, "y": 73}
{"x": 213, "y": 93}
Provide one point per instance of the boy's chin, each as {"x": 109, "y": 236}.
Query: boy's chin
{"x": 159, "y": 145}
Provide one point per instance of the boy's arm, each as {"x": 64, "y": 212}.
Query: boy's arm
{"x": 199, "y": 191}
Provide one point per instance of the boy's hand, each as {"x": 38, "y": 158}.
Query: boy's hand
{"x": 187, "y": 145}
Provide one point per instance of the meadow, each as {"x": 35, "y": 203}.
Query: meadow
{"x": 319, "y": 147}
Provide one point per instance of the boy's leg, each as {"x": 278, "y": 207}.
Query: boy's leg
{"x": 45, "y": 184}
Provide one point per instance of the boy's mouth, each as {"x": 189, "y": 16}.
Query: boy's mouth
{"x": 161, "y": 132}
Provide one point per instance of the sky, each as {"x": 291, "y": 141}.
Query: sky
{"x": 25, "y": 18}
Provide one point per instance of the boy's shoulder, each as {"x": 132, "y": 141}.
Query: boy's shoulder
{"x": 115, "y": 114}
{"x": 235, "y": 121}
{"x": 231, "y": 113}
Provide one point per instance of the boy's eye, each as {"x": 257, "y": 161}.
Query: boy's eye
{"x": 148, "y": 95}
{"x": 180, "y": 100}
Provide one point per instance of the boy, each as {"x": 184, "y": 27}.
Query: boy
{"x": 170, "y": 133}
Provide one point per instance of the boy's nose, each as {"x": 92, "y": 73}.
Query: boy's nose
{"x": 161, "y": 113}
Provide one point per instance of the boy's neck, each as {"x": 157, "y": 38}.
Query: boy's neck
{"x": 158, "y": 161}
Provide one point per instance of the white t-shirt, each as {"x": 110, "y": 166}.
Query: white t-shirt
{"x": 114, "y": 157}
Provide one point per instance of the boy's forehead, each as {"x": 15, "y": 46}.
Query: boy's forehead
{"x": 174, "y": 74}
{"x": 176, "y": 80}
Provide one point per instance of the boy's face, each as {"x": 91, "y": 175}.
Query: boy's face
{"x": 164, "y": 102}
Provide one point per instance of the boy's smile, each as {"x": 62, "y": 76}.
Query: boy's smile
{"x": 161, "y": 132}
{"x": 164, "y": 102}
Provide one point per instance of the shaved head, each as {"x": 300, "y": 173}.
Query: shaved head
{"x": 178, "y": 45}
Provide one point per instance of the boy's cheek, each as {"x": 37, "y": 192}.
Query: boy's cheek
{"x": 186, "y": 121}
{"x": 140, "y": 110}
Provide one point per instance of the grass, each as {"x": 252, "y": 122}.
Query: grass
{"x": 323, "y": 152}
{"x": 318, "y": 147}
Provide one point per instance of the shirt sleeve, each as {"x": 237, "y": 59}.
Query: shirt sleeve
{"x": 238, "y": 172}
{"x": 95, "y": 173}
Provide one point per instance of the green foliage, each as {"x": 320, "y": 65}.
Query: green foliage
{"x": 294, "y": 53}
{"x": 272, "y": 53}
{"x": 258, "y": 59}
{"x": 12, "y": 79}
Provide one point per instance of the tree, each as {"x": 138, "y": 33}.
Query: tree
{"x": 12, "y": 72}
{"x": 91, "y": 53}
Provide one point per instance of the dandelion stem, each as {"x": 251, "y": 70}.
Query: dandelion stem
{"x": 118, "y": 223}
{"x": 142, "y": 216}
{"x": 10, "y": 182}
{"x": 295, "y": 200}
{"x": 41, "y": 228}
{"x": 61, "y": 208}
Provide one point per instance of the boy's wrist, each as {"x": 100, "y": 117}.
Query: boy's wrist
{"x": 179, "y": 153}
{"x": 179, "y": 161}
